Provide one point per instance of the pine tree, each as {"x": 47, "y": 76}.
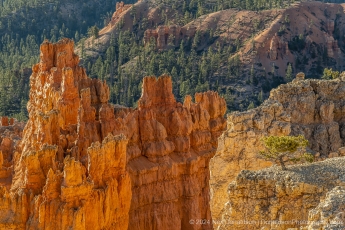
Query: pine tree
{"x": 261, "y": 96}
{"x": 283, "y": 149}
{"x": 289, "y": 76}
{"x": 251, "y": 106}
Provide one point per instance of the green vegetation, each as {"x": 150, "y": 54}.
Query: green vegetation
{"x": 23, "y": 27}
{"x": 191, "y": 72}
{"x": 289, "y": 75}
{"x": 25, "y": 24}
{"x": 202, "y": 63}
{"x": 283, "y": 149}
{"x": 330, "y": 74}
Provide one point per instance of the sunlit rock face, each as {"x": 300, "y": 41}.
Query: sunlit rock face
{"x": 312, "y": 108}
{"x": 304, "y": 197}
{"x": 82, "y": 163}
{"x": 65, "y": 173}
{"x": 169, "y": 165}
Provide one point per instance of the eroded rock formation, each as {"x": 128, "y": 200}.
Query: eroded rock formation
{"x": 278, "y": 45}
{"x": 332, "y": 46}
{"x": 176, "y": 143}
{"x": 313, "y": 108}
{"x": 10, "y": 135}
{"x": 121, "y": 8}
{"x": 83, "y": 163}
{"x": 168, "y": 36}
{"x": 330, "y": 25}
{"x": 56, "y": 183}
{"x": 276, "y": 199}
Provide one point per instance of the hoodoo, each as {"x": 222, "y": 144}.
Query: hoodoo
{"x": 82, "y": 163}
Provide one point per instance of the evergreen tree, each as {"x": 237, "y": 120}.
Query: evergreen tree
{"x": 289, "y": 76}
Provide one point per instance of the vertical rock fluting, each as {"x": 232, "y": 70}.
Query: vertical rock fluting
{"x": 170, "y": 178}
{"x": 61, "y": 180}
{"x": 82, "y": 163}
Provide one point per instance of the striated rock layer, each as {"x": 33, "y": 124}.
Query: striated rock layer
{"x": 313, "y": 108}
{"x": 83, "y": 163}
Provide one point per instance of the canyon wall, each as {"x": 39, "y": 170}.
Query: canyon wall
{"x": 313, "y": 108}
{"x": 82, "y": 163}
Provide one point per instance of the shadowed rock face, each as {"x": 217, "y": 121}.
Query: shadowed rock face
{"x": 85, "y": 164}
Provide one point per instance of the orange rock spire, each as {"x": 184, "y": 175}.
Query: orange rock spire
{"x": 84, "y": 164}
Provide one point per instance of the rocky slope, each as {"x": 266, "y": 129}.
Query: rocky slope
{"x": 276, "y": 199}
{"x": 313, "y": 108}
{"x": 84, "y": 164}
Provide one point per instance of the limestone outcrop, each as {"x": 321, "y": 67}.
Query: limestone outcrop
{"x": 10, "y": 135}
{"x": 313, "y": 108}
{"x": 276, "y": 199}
{"x": 238, "y": 146}
{"x": 330, "y": 25}
{"x": 82, "y": 163}
{"x": 57, "y": 183}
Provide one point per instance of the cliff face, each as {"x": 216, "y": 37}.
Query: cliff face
{"x": 313, "y": 108}
{"x": 84, "y": 164}
{"x": 61, "y": 180}
{"x": 276, "y": 199}
{"x": 169, "y": 171}
{"x": 121, "y": 7}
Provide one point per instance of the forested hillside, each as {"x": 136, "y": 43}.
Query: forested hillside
{"x": 224, "y": 54}
{"x": 207, "y": 61}
{"x": 195, "y": 64}
{"x": 23, "y": 27}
